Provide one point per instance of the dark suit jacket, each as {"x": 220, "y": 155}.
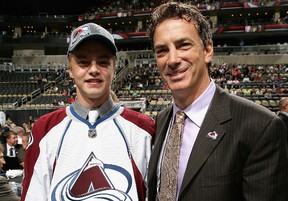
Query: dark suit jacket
{"x": 284, "y": 117}
{"x": 6, "y": 194}
{"x": 13, "y": 162}
{"x": 247, "y": 161}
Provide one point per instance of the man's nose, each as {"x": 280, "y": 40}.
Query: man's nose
{"x": 174, "y": 57}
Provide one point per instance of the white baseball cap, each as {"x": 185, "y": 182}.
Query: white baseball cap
{"x": 91, "y": 31}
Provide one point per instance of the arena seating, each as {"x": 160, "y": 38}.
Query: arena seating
{"x": 17, "y": 87}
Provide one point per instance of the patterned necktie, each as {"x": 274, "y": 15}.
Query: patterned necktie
{"x": 169, "y": 171}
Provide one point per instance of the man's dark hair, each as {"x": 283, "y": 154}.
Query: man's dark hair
{"x": 178, "y": 10}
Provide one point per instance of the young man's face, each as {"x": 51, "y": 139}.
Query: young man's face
{"x": 92, "y": 66}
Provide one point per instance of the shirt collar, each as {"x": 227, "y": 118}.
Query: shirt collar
{"x": 8, "y": 146}
{"x": 283, "y": 112}
{"x": 104, "y": 109}
{"x": 197, "y": 110}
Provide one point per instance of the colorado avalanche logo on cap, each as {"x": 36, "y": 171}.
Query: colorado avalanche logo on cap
{"x": 92, "y": 183}
{"x": 78, "y": 34}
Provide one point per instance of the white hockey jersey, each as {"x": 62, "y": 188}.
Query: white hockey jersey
{"x": 70, "y": 165}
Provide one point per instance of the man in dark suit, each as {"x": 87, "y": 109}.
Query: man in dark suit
{"x": 13, "y": 152}
{"x": 6, "y": 194}
{"x": 283, "y": 110}
{"x": 232, "y": 149}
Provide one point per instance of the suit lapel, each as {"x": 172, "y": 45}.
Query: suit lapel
{"x": 218, "y": 113}
{"x": 5, "y": 150}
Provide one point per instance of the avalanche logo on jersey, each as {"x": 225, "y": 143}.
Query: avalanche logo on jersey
{"x": 92, "y": 183}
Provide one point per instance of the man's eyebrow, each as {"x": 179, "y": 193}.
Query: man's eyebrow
{"x": 160, "y": 46}
{"x": 181, "y": 40}
{"x": 178, "y": 41}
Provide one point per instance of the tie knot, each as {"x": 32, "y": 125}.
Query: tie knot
{"x": 93, "y": 115}
{"x": 180, "y": 117}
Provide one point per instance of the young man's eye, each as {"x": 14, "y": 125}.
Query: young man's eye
{"x": 83, "y": 62}
{"x": 104, "y": 62}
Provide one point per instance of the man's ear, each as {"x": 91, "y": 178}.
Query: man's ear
{"x": 209, "y": 52}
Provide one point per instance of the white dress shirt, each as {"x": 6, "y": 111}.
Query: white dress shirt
{"x": 195, "y": 116}
{"x": 196, "y": 113}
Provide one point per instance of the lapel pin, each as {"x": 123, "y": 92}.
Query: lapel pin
{"x": 213, "y": 135}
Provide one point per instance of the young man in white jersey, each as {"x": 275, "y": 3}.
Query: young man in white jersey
{"x": 94, "y": 148}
